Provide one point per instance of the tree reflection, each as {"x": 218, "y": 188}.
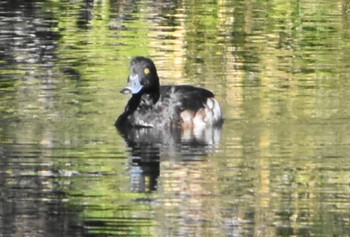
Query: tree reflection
{"x": 280, "y": 69}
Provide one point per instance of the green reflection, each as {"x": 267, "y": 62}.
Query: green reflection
{"x": 280, "y": 69}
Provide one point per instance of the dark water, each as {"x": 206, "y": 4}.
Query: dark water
{"x": 280, "y": 166}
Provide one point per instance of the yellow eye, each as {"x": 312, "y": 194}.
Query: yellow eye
{"x": 146, "y": 71}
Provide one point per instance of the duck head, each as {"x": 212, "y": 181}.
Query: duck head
{"x": 143, "y": 77}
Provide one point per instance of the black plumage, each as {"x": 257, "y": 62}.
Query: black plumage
{"x": 152, "y": 105}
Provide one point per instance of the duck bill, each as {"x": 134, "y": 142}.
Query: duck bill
{"x": 134, "y": 85}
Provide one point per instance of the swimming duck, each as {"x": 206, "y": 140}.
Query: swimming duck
{"x": 154, "y": 105}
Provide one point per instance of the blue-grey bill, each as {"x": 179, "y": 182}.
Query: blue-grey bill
{"x": 134, "y": 86}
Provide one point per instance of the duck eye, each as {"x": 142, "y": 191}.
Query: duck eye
{"x": 147, "y": 71}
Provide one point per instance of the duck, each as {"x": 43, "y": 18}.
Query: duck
{"x": 158, "y": 106}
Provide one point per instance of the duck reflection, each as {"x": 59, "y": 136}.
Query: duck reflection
{"x": 149, "y": 146}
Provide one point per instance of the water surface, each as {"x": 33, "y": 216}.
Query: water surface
{"x": 278, "y": 167}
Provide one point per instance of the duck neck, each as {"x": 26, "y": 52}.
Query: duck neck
{"x": 154, "y": 93}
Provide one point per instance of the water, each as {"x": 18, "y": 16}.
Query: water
{"x": 279, "y": 166}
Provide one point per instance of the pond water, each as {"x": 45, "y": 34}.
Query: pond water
{"x": 280, "y": 165}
